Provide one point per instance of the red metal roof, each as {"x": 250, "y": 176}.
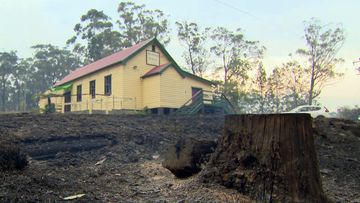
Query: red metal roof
{"x": 156, "y": 70}
{"x": 102, "y": 63}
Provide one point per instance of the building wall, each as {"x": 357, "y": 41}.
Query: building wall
{"x": 100, "y": 102}
{"x": 176, "y": 90}
{"x": 133, "y": 70}
{"x": 58, "y": 100}
{"x": 151, "y": 92}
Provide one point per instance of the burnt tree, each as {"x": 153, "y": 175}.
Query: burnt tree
{"x": 187, "y": 156}
{"x": 272, "y": 158}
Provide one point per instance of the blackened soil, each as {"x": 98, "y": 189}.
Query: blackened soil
{"x": 338, "y": 147}
{"x": 117, "y": 158}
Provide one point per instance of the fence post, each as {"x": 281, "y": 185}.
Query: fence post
{"x": 106, "y": 103}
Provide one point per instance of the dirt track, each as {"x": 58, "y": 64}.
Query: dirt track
{"x": 113, "y": 158}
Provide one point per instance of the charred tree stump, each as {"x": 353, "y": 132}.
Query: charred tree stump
{"x": 272, "y": 158}
{"x": 186, "y": 157}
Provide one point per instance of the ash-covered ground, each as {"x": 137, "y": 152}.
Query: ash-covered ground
{"x": 117, "y": 158}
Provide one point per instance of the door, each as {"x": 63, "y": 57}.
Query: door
{"x": 67, "y": 101}
{"x": 196, "y": 94}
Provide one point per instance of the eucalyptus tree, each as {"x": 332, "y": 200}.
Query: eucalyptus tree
{"x": 51, "y": 64}
{"x": 295, "y": 80}
{"x": 323, "y": 44}
{"x": 260, "y": 82}
{"x": 275, "y": 90}
{"x": 136, "y": 23}
{"x": 8, "y": 63}
{"x": 236, "y": 54}
{"x": 193, "y": 39}
{"x": 22, "y": 78}
{"x": 94, "y": 36}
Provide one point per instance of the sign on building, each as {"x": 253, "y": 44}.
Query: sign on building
{"x": 152, "y": 58}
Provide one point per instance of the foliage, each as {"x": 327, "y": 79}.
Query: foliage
{"x": 51, "y": 64}
{"x": 284, "y": 89}
{"x": 94, "y": 37}
{"x": 260, "y": 81}
{"x": 23, "y": 79}
{"x": 275, "y": 90}
{"x": 237, "y": 54}
{"x": 8, "y": 62}
{"x": 295, "y": 82}
{"x": 50, "y": 108}
{"x": 323, "y": 44}
{"x": 349, "y": 113}
{"x": 138, "y": 24}
{"x": 193, "y": 39}
{"x": 22, "y": 86}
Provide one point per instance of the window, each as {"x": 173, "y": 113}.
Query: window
{"x": 107, "y": 85}
{"x": 67, "y": 108}
{"x": 78, "y": 93}
{"x": 153, "y": 47}
{"x": 92, "y": 89}
{"x": 67, "y": 97}
{"x": 304, "y": 109}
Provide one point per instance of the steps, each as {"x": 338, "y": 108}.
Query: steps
{"x": 208, "y": 103}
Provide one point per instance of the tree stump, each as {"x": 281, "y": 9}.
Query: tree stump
{"x": 186, "y": 157}
{"x": 271, "y": 157}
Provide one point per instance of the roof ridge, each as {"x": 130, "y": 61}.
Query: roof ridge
{"x": 103, "y": 62}
{"x": 126, "y": 48}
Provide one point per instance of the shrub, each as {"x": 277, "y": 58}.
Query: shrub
{"x": 349, "y": 113}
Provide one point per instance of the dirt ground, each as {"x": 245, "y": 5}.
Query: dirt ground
{"x": 117, "y": 158}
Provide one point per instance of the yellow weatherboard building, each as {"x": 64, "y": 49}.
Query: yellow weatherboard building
{"x": 140, "y": 77}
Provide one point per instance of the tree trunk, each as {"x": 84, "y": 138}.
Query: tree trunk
{"x": 18, "y": 97}
{"x": 311, "y": 91}
{"x": 272, "y": 158}
{"x": 3, "y": 96}
{"x": 191, "y": 62}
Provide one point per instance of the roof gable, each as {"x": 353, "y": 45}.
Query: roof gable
{"x": 177, "y": 67}
{"x": 160, "y": 69}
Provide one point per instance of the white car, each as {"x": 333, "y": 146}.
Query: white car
{"x": 314, "y": 111}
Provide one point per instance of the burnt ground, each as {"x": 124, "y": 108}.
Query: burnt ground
{"x": 338, "y": 148}
{"x": 117, "y": 158}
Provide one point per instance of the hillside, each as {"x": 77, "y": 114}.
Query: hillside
{"x": 113, "y": 158}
